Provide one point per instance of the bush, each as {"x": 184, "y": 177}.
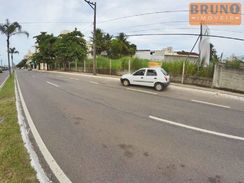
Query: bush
{"x": 206, "y": 71}
{"x": 119, "y": 64}
{"x": 174, "y": 68}
{"x": 235, "y": 64}
{"x": 1, "y": 71}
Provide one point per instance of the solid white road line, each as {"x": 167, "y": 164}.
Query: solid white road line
{"x": 52, "y": 84}
{"x": 74, "y": 79}
{"x": 197, "y": 129}
{"x": 40, "y": 173}
{"x": 85, "y": 75}
{"x": 58, "y": 172}
{"x": 142, "y": 91}
{"x": 93, "y": 82}
{"x": 207, "y": 103}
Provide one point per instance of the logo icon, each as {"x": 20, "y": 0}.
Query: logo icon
{"x": 215, "y": 13}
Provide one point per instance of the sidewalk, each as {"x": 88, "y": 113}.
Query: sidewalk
{"x": 219, "y": 92}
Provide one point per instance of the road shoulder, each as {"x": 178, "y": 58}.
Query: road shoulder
{"x": 15, "y": 164}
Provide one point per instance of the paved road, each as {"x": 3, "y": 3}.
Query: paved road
{"x": 99, "y": 131}
{"x": 3, "y": 77}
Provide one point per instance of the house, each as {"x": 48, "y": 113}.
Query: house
{"x": 181, "y": 56}
{"x": 155, "y": 55}
{"x": 167, "y": 55}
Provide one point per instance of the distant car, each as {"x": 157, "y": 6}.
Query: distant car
{"x": 151, "y": 77}
{"x": 29, "y": 69}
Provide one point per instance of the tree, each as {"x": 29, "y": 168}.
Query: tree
{"x": 13, "y": 51}
{"x": 120, "y": 46}
{"x": 9, "y": 30}
{"x": 103, "y": 41}
{"x": 45, "y": 48}
{"x": 213, "y": 54}
{"x": 22, "y": 63}
{"x": 70, "y": 47}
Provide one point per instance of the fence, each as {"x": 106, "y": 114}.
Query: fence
{"x": 106, "y": 66}
{"x": 228, "y": 78}
{"x": 220, "y": 76}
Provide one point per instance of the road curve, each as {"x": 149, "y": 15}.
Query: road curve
{"x": 99, "y": 131}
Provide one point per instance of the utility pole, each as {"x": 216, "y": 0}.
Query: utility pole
{"x": 184, "y": 62}
{"x": 93, "y": 5}
{"x": 200, "y": 54}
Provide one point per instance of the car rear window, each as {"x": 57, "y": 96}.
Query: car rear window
{"x": 151, "y": 72}
{"x": 164, "y": 72}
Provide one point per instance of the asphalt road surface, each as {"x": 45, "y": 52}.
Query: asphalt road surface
{"x": 101, "y": 132}
{"x": 3, "y": 77}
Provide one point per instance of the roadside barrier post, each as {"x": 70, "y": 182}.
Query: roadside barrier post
{"x": 129, "y": 66}
{"x": 110, "y": 66}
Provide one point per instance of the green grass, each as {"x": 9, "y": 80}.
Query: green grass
{"x": 175, "y": 69}
{"x": 14, "y": 160}
{"x": 119, "y": 64}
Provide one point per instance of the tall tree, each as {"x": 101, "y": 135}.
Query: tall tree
{"x": 120, "y": 46}
{"x": 45, "y": 48}
{"x": 13, "y": 51}
{"x": 213, "y": 54}
{"x": 22, "y": 63}
{"x": 9, "y": 30}
{"x": 103, "y": 41}
{"x": 70, "y": 47}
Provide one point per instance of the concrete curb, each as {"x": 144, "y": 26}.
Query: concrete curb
{"x": 35, "y": 163}
{"x": 173, "y": 85}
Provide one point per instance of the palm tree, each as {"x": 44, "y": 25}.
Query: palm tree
{"x": 11, "y": 29}
{"x": 13, "y": 51}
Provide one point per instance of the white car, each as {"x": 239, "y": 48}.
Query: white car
{"x": 151, "y": 77}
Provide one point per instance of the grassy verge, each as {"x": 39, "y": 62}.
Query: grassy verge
{"x": 14, "y": 160}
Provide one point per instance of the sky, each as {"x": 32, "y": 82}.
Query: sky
{"x": 55, "y": 16}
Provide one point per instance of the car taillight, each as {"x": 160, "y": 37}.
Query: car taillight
{"x": 165, "y": 78}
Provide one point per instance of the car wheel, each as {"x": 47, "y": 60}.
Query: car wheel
{"x": 159, "y": 86}
{"x": 125, "y": 82}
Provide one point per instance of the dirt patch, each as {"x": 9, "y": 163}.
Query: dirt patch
{"x": 105, "y": 146}
{"x": 76, "y": 122}
{"x": 216, "y": 179}
{"x": 127, "y": 150}
{"x": 182, "y": 166}
{"x": 146, "y": 154}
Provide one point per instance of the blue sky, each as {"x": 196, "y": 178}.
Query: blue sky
{"x": 55, "y": 16}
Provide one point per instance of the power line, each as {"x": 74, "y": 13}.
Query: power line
{"x": 185, "y": 34}
{"x": 56, "y": 22}
{"x": 183, "y": 28}
{"x": 159, "y": 23}
{"x": 143, "y": 14}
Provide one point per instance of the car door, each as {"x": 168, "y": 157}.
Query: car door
{"x": 138, "y": 77}
{"x": 151, "y": 77}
